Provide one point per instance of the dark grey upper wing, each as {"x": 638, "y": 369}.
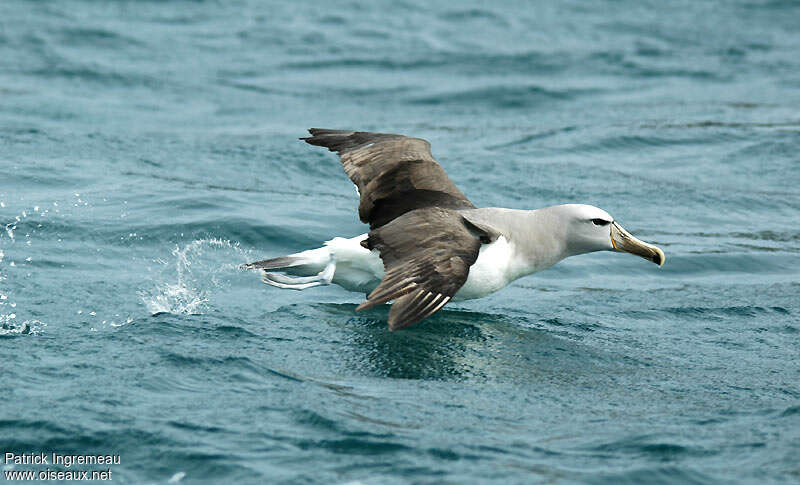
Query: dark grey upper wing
{"x": 394, "y": 174}
{"x": 427, "y": 254}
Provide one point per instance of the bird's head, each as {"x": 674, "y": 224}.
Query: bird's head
{"x": 590, "y": 229}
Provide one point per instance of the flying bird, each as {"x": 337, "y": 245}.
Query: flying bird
{"x": 427, "y": 243}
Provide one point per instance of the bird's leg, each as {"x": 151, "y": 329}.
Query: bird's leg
{"x": 324, "y": 277}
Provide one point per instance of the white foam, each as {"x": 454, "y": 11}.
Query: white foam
{"x": 10, "y": 326}
{"x": 177, "y": 477}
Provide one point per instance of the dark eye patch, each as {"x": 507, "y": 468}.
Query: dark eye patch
{"x": 600, "y": 222}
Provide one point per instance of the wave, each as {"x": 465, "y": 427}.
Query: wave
{"x": 509, "y": 96}
{"x": 660, "y": 474}
{"x": 530, "y": 62}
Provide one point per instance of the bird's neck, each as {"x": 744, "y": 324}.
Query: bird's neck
{"x": 536, "y": 237}
{"x": 539, "y": 240}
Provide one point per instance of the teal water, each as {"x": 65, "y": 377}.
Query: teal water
{"x": 147, "y": 149}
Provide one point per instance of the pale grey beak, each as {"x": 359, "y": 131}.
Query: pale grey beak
{"x": 622, "y": 240}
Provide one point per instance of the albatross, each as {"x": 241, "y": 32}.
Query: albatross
{"x": 427, "y": 243}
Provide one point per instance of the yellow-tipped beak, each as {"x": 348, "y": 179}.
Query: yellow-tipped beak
{"x": 622, "y": 240}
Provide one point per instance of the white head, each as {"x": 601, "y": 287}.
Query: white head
{"x": 588, "y": 229}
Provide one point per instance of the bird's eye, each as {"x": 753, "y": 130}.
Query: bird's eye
{"x": 600, "y": 222}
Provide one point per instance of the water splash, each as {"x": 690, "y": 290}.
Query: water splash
{"x": 9, "y": 325}
{"x": 197, "y": 274}
{"x": 176, "y": 298}
{"x": 17, "y": 234}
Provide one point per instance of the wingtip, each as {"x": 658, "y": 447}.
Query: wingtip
{"x": 312, "y": 132}
{"x": 394, "y": 324}
{"x": 365, "y": 306}
{"x": 317, "y": 135}
{"x": 319, "y": 131}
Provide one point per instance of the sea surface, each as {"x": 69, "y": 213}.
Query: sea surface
{"x": 147, "y": 149}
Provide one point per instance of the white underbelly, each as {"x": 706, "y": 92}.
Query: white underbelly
{"x": 359, "y": 269}
{"x": 490, "y": 272}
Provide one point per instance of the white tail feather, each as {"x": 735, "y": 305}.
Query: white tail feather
{"x": 342, "y": 261}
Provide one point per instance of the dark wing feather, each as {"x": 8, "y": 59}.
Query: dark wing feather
{"x": 427, "y": 254}
{"x": 394, "y": 174}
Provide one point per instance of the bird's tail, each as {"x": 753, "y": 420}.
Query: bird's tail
{"x": 301, "y": 270}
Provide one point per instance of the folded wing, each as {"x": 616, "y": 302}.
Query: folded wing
{"x": 427, "y": 254}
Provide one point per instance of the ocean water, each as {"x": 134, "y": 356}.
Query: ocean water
{"x": 149, "y": 148}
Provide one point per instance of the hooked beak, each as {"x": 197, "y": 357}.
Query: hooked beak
{"x": 622, "y": 240}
